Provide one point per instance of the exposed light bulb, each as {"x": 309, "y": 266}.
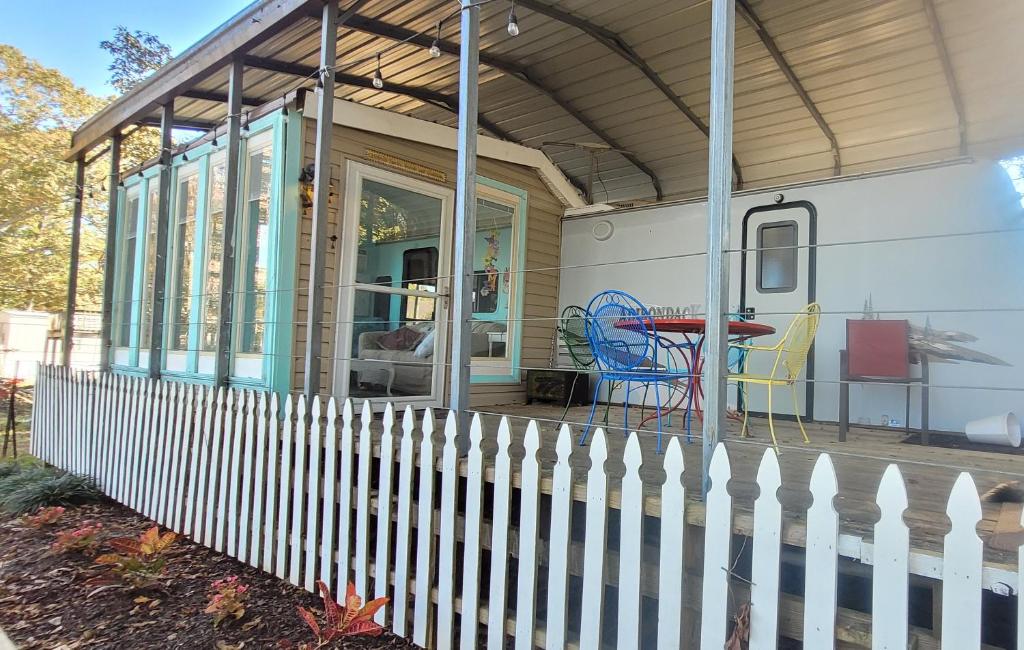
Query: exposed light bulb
{"x": 435, "y": 47}
{"x": 513, "y": 22}
{"x": 378, "y": 78}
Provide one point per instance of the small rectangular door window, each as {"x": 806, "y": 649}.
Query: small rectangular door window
{"x": 777, "y": 257}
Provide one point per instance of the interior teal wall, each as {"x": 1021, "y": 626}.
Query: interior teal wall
{"x": 387, "y": 260}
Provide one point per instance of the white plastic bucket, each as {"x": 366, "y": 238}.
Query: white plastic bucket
{"x": 1002, "y": 429}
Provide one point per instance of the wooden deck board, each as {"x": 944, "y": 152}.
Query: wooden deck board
{"x": 929, "y": 472}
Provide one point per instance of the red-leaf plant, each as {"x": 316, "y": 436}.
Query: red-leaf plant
{"x": 227, "y": 599}
{"x": 354, "y": 619}
{"x": 137, "y": 562}
{"x": 80, "y": 540}
{"x": 44, "y": 517}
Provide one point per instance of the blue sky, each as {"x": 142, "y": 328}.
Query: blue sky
{"x": 65, "y": 34}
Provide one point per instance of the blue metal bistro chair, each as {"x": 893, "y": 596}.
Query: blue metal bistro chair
{"x": 625, "y": 343}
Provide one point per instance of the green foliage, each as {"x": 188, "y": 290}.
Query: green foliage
{"x": 39, "y": 110}
{"x": 11, "y": 466}
{"x": 39, "y": 487}
{"x": 136, "y": 55}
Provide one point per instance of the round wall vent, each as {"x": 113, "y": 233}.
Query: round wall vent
{"x": 603, "y": 230}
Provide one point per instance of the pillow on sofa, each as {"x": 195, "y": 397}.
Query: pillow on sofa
{"x": 403, "y": 338}
{"x": 426, "y": 347}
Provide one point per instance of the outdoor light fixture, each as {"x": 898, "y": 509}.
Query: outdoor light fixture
{"x": 184, "y": 156}
{"x": 378, "y": 78}
{"x": 120, "y": 183}
{"x": 245, "y": 127}
{"x": 214, "y": 142}
{"x": 435, "y": 47}
{"x": 513, "y": 22}
{"x": 140, "y": 174}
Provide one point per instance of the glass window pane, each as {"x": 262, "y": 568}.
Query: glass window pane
{"x": 777, "y": 257}
{"x": 127, "y": 265}
{"x": 493, "y": 290}
{"x": 391, "y": 357}
{"x": 254, "y": 249}
{"x": 214, "y": 253}
{"x": 182, "y": 260}
{"x": 152, "y": 214}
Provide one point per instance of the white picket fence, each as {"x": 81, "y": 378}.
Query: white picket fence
{"x": 242, "y": 473}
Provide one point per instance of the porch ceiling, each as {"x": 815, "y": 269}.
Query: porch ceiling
{"x": 861, "y": 80}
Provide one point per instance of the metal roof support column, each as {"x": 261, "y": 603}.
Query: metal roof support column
{"x": 76, "y": 239}
{"x": 723, "y": 17}
{"x": 156, "y": 339}
{"x": 110, "y": 254}
{"x": 465, "y": 219}
{"x": 227, "y": 262}
{"x": 321, "y": 194}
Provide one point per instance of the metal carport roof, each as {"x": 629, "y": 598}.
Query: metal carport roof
{"x": 870, "y": 84}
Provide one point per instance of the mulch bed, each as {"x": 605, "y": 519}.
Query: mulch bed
{"x": 45, "y": 603}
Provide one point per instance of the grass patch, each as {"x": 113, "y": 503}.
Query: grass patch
{"x": 27, "y": 486}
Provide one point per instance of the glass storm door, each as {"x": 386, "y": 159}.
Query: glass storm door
{"x": 393, "y": 322}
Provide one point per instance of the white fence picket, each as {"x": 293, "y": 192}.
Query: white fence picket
{"x": 595, "y": 541}
{"x": 382, "y": 564}
{"x": 216, "y": 415}
{"x": 892, "y": 558}
{"x": 298, "y": 492}
{"x": 500, "y": 519}
{"x": 284, "y": 489}
{"x": 227, "y": 418}
{"x": 425, "y": 536}
{"x": 184, "y": 444}
{"x": 766, "y": 556}
{"x": 198, "y": 448}
{"x": 261, "y": 484}
{"x": 822, "y": 558}
{"x": 631, "y": 536}
{"x": 139, "y": 454}
{"x": 717, "y": 554}
{"x": 471, "y": 537}
{"x": 236, "y": 525}
{"x": 671, "y": 564}
{"x": 529, "y": 517}
{"x": 961, "y": 568}
{"x": 403, "y": 532}
{"x": 274, "y": 462}
{"x": 245, "y": 520}
{"x": 330, "y": 493}
{"x": 313, "y": 510}
{"x": 446, "y": 547}
{"x": 200, "y": 473}
{"x": 559, "y": 542}
{"x": 345, "y": 498}
{"x": 362, "y": 559}
{"x": 169, "y": 431}
{"x": 154, "y": 472}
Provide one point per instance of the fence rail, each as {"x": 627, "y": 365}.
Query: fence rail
{"x": 305, "y": 492}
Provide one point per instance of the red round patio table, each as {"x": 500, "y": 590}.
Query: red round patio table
{"x": 739, "y": 330}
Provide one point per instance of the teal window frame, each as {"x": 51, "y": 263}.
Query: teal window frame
{"x": 515, "y": 317}
{"x": 286, "y": 140}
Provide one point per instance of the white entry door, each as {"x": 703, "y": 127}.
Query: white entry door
{"x": 778, "y": 281}
{"x": 393, "y": 288}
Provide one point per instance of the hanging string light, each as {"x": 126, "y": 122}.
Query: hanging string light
{"x": 378, "y": 78}
{"x": 435, "y": 47}
{"x": 513, "y": 22}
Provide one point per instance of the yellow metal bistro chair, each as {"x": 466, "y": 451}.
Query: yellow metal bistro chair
{"x": 790, "y": 358}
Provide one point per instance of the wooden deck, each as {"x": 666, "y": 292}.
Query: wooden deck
{"x": 929, "y": 472}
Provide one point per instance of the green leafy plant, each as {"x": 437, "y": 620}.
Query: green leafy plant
{"x": 136, "y": 562}
{"x": 354, "y": 619}
{"x": 39, "y": 487}
{"x": 227, "y": 599}
{"x": 84, "y": 539}
{"x": 43, "y": 517}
